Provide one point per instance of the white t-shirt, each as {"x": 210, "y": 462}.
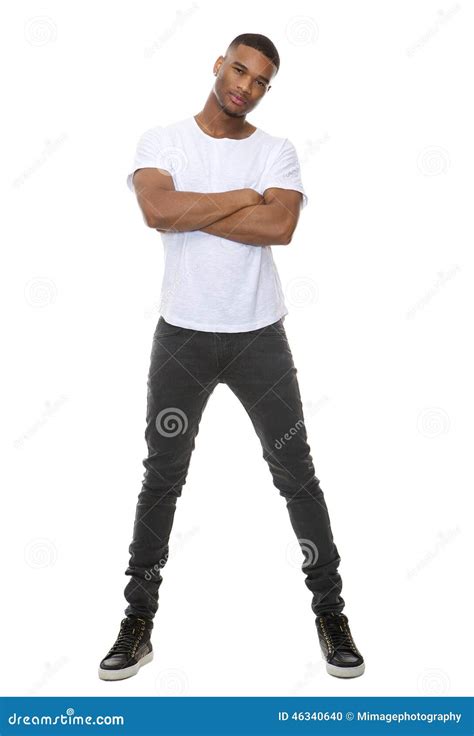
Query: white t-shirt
{"x": 212, "y": 283}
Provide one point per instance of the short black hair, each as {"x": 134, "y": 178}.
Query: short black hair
{"x": 259, "y": 42}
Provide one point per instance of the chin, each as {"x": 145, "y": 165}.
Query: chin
{"x": 234, "y": 113}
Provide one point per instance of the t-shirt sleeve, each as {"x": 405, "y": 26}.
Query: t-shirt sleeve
{"x": 285, "y": 172}
{"x": 150, "y": 153}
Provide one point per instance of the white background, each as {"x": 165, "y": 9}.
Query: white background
{"x": 378, "y": 280}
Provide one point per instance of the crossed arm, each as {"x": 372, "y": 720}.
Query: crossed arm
{"x": 242, "y": 215}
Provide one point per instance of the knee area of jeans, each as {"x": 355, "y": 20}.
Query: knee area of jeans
{"x": 162, "y": 493}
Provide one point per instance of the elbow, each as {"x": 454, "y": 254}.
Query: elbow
{"x": 158, "y": 221}
{"x": 153, "y": 219}
{"x": 286, "y": 233}
{"x": 282, "y": 236}
{"x": 153, "y": 216}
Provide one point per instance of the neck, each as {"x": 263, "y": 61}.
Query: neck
{"x": 218, "y": 123}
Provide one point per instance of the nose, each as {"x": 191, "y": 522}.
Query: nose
{"x": 243, "y": 87}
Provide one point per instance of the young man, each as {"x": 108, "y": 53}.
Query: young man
{"x": 222, "y": 192}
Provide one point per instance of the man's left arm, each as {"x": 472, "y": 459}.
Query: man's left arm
{"x": 270, "y": 223}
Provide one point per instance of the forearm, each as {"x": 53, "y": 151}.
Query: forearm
{"x": 172, "y": 211}
{"x": 259, "y": 224}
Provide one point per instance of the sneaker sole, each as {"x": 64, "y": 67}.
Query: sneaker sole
{"x": 125, "y": 671}
{"x": 345, "y": 671}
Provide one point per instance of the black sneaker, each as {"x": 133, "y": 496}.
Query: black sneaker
{"x": 342, "y": 657}
{"x": 131, "y": 649}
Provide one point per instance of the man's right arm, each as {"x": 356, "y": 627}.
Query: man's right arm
{"x": 167, "y": 210}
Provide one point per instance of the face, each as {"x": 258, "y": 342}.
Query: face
{"x": 243, "y": 78}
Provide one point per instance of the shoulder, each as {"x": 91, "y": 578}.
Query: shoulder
{"x": 277, "y": 145}
{"x": 280, "y": 151}
{"x": 161, "y": 132}
{"x": 273, "y": 141}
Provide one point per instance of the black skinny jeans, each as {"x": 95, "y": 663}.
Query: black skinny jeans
{"x": 185, "y": 367}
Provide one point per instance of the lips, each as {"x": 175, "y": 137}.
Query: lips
{"x": 237, "y": 100}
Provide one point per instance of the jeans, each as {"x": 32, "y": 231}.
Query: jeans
{"x": 185, "y": 367}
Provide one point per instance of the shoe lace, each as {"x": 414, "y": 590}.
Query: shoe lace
{"x": 129, "y": 636}
{"x": 337, "y": 633}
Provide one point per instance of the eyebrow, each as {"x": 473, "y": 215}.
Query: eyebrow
{"x": 242, "y": 66}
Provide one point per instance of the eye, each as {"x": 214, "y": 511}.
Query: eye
{"x": 262, "y": 84}
{"x": 238, "y": 70}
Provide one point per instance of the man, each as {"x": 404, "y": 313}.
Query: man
{"x": 221, "y": 192}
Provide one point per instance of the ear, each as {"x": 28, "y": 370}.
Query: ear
{"x": 217, "y": 64}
